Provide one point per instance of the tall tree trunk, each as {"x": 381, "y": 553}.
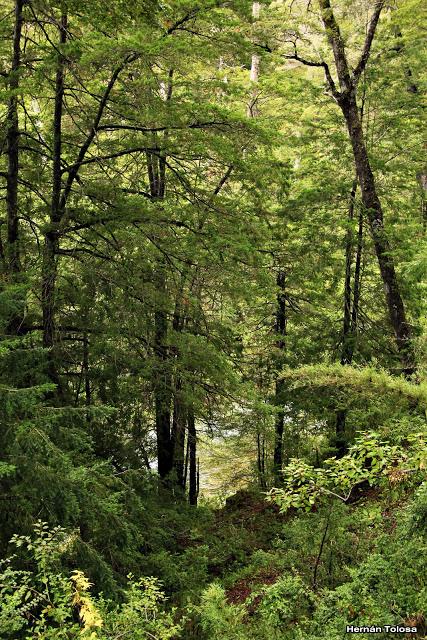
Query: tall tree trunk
{"x": 349, "y": 249}
{"x": 187, "y": 453}
{"x": 192, "y": 454}
{"x": 252, "y": 109}
{"x": 281, "y": 321}
{"x": 357, "y": 286}
{"x": 12, "y": 140}
{"x": 261, "y": 460}
{"x": 178, "y": 434}
{"x": 346, "y": 99}
{"x": 50, "y": 250}
{"x": 11, "y": 255}
{"x": 351, "y": 308}
{"x": 382, "y": 246}
{"x": 86, "y": 370}
{"x": 179, "y": 418}
{"x": 162, "y": 381}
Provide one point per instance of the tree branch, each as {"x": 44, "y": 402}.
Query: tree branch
{"x": 73, "y": 171}
{"x": 314, "y": 63}
{"x": 308, "y": 63}
{"x": 188, "y": 16}
{"x": 192, "y": 125}
{"x": 368, "y": 42}
{"x": 117, "y": 154}
{"x": 336, "y": 42}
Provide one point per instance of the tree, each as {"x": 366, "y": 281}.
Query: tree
{"x": 346, "y": 98}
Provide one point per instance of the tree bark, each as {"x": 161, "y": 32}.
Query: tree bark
{"x": 162, "y": 382}
{"x": 347, "y": 100}
{"x": 178, "y": 434}
{"x": 351, "y": 315}
{"x": 346, "y": 335}
{"x": 349, "y": 249}
{"x": 187, "y": 453}
{"x": 261, "y": 461}
{"x": 50, "y": 250}
{"x": 281, "y": 321}
{"x": 179, "y": 419}
{"x": 356, "y": 286}
{"x": 382, "y": 246}
{"x": 192, "y": 454}
{"x": 252, "y": 109}
{"x": 12, "y": 141}
{"x": 61, "y": 192}
{"x": 86, "y": 370}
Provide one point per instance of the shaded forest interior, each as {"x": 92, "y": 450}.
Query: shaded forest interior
{"x": 213, "y": 261}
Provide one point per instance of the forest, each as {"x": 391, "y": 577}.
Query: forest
{"x": 213, "y": 330}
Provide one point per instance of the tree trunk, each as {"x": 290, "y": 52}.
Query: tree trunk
{"x": 178, "y": 434}
{"x": 252, "y": 109}
{"x": 86, "y": 370}
{"x": 346, "y": 99}
{"x": 11, "y": 256}
{"x": 187, "y": 453}
{"x": 348, "y": 335}
{"x": 192, "y": 454}
{"x": 350, "y": 339}
{"x": 50, "y": 250}
{"x": 162, "y": 382}
{"x": 261, "y": 460}
{"x": 356, "y": 286}
{"x": 374, "y": 214}
{"x": 12, "y": 141}
{"x": 162, "y": 378}
{"x": 179, "y": 418}
{"x": 278, "y": 434}
{"x": 346, "y": 354}
{"x": 280, "y": 328}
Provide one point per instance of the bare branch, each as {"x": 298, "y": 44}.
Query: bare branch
{"x": 188, "y": 16}
{"x": 336, "y": 42}
{"x": 192, "y": 125}
{"x": 308, "y": 63}
{"x": 315, "y": 63}
{"x": 223, "y": 180}
{"x": 368, "y": 42}
{"x": 117, "y": 154}
{"x": 331, "y": 82}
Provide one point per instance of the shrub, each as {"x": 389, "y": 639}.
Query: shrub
{"x": 44, "y": 602}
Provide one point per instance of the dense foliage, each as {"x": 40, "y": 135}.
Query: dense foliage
{"x": 212, "y": 319}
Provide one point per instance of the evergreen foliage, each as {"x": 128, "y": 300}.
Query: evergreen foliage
{"x": 213, "y": 360}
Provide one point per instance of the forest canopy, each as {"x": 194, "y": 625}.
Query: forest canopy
{"x": 213, "y": 262}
